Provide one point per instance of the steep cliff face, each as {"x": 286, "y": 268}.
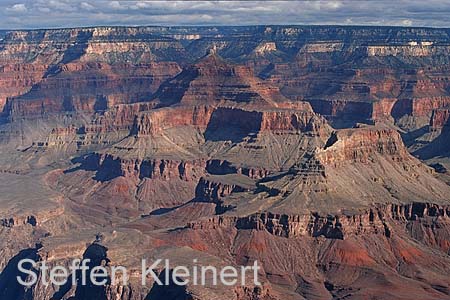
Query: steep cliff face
{"x": 364, "y": 82}
{"x": 411, "y": 49}
{"x": 91, "y": 87}
{"x": 440, "y": 118}
{"x": 109, "y": 167}
{"x": 17, "y": 78}
{"x": 273, "y": 120}
{"x": 361, "y": 144}
{"x": 153, "y": 122}
{"x": 381, "y": 219}
{"x": 214, "y": 188}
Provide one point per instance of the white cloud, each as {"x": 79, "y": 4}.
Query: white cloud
{"x": 116, "y": 5}
{"x": 17, "y": 8}
{"x": 332, "y": 4}
{"x": 142, "y": 4}
{"x": 58, "y": 5}
{"x": 87, "y": 6}
{"x": 407, "y": 22}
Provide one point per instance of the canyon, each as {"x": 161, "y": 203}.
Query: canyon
{"x": 321, "y": 152}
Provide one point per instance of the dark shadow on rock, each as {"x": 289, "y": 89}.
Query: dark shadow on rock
{"x": 108, "y": 170}
{"x": 10, "y": 288}
{"x": 86, "y": 163}
{"x": 267, "y": 71}
{"x": 439, "y": 168}
{"x": 439, "y": 147}
{"x": 222, "y": 208}
{"x": 332, "y": 229}
{"x": 410, "y": 137}
{"x": 171, "y": 291}
{"x": 220, "y": 167}
{"x": 4, "y": 118}
{"x": 172, "y": 91}
{"x": 228, "y": 124}
{"x": 276, "y": 177}
{"x": 98, "y": 257}
{"x": 101, "y": 104}
{"x": 164, "y": 210}
{"x": 402, "y": 107}
{"x": 75, "y": 51}
{"x": 331, "y": 140}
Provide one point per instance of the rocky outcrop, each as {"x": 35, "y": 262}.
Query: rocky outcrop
{"x": 382, "y": 110}
{"x": 380, "y": 219}
{"x": 22, "y": 219}
{"x": 82, "y": 69}
{"x": 222, "y": 167}
{"x": 210, "y": 189}
{"x": 423, "y": 48}
{"x": 246, "y": 121}
{"x": 322, "y": 47}
{"x": 416, "y": 211}
{"x": 108, "y": 166}
{"x": 259, "y": 292}
{"x": 334, "y": 227}
{"x": 290, "y": 121}
{"x": 361, "y": 144}
{"x": 440, "y": 118}
{"x": 11, "y": 222}
{"x": 156, "y": 121}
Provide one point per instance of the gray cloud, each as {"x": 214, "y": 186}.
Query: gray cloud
{"x": 71, "y": 13}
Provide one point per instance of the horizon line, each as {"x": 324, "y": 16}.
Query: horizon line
{"x": 223, "y": 26}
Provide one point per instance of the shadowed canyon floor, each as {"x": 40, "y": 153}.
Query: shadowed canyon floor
{"x": 321, "y": 152}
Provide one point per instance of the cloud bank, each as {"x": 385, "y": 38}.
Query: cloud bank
{"x": 25, "y": 14}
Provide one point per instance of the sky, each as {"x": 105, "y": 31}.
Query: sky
{"x": 27, "y": 14}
